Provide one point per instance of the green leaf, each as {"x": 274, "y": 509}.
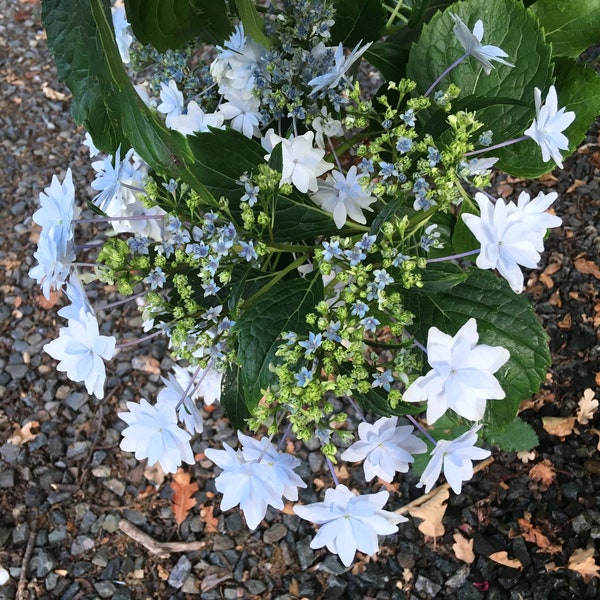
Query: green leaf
{"x": 252, "y": 21}
{"x": 390, "y": 56}
{"x": 578, "y": 89}
{"x": 504, "y": 98}
{"x": 358, "y": 20}
{"x": 170, "y": 24}
{"x": 281, "y": 308}
{"x": 80, "y": 63}
{"x": 233, "y": 399}
{"x": 439, "y": 277}
{"x": 515, "y": 436}
{"x": 571, "y": 26}
{"x": 503, "y": 319}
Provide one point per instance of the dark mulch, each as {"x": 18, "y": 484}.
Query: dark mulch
{"x": 63, "y": 493}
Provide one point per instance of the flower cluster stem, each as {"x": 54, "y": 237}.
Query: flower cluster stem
{"x": 445, "y": 72}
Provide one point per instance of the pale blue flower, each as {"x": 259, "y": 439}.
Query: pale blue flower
{"x": 385, "y": 448}
{"x": 350, "y": 522}
{"x": 153, "y": 433}
{"x": 455, "y": 458}
{"x": 471, "y": 42}
{"x": 546, "y": 129}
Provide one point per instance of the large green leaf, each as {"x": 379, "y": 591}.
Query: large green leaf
{"x": 358, "y": 20}
{"x": 571, "y": 26}
{"x": 282, "y": 308}
{"x": 252, "y": 21}
{"x": 515, "y": 436}
{"x": 504, "y": 98}
{"x": 578, "y": 89}
{"x": 79, "y": 59}
{"x": 170, "y": 24}
{"x": 233, "y": 399}
{"x": 503, "y": 319}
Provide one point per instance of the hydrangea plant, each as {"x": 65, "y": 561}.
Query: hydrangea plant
{"x": 304, "y": 216}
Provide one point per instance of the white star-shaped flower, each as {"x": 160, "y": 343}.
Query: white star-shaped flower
{"x": 196, "y": 120}
{"x": 385, "y": 448}
{"x": 243, "y": 115}
{"x": 350, "y": 522}
{"x": 302, "y": 163}
{"x": 455, "y": 458}
{"x": 81, "y": 349}
{"x": 153, "y": 433}
{"x": 175, "y": 394}
{"x": 510, "y": 235}
{"x": 332, "y": 78}
{"x": 172, "y": 101}
{"x": 461, "y": 377}
{"x": 471, "y": 42}
{"x": 546, "y": 129}
{"x": 344, "y": 197}
{"x": 54, "y": 256}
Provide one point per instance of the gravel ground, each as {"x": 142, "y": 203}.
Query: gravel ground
{"x": 66, "y": 493}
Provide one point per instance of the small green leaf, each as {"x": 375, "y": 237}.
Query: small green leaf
{"x": 571, "y": 26}
{"x": 440, "y": 277}
{"x": 170, "y": 24}
{"x": 503, "y": 319}
{"x": 252, "y": 21}
{"x": 282, "y": 308}
{"x": 358, "y": 20}
{"x": 515, "y": 436}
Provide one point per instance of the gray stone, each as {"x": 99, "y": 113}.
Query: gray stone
{"x": 255, "y": 586}
{"x": 426, "y": 587}
{"x": 335, "y": 588}
{"x": 20, "y": 534}
{"x": 77, "y": 449}
{"x": 230, "y": 593}
{"x": 115, "y": 486}
{"x": 275, "y": 533}
{"x": 222, "y": 542}
{"x": 105, "y": 589}
{"x": 76, "y": 400}
{"x": 190, "y": 585}
{"x": 51, "y": 581}
{"x": 58, "y": 535}
{"x": 111, "y": 522}
{"x": 137, "y": 518}
{"x": 315, "y": 461}
{"x": 43, "y": 562}
{"x": 101, "y": 557}
{"x": 82, "y": 544}
{"x": 10, "y": 453}
{"x": 180, "y": 572}
{"x": 306, "y": 555}
{"x": 457, "y": 579}
{"x": 7, "y": 479}
{"x": 17, "y": 371}
{"x": 581, "y": 523}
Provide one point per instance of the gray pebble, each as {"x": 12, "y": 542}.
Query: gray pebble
{"x": 426, "y": 587}
{"x": 105, "y": 589}
{"x": 115, "y": 486}
{"x": 180, "y": 572}
{"x": 7, "y": 478}
{"x": 42, "y": 562}
{"x": 82, "y": 544}
{"x": 111, "y": 522}
{"x": 56, "y": 536}
{"x": 255, "y": 586}
{"x": 76, "y": 400}
{"x": 222, "y": 542}
{"x": 275, "y": 533}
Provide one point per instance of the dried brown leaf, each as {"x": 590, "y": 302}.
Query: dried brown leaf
{"x": 587, "y": 267}
{"x": 432, "y": 512}
{"x": 588, "y": 405}
{"x": 596, "y": 432}
{"x": 543, "y": 472}
{"x": 582, "y": 561}
{"x": 211, "y": 523}
{"x": 533, "y": 534}
{"x": 22, "y": 435}
{"x": 463, "y": 548}
{"x": 560, "y": 426}
{"x": 502, "y": 559}
{"x": 183, "y": 495}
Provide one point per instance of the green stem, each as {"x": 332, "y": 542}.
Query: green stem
{"x": 395, "y": 14}
{"x": 263, "y": 290}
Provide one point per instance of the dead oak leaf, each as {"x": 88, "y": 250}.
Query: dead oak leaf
{"x": 432, "y": 512}
{"x": 211, "y": 523}
{"x": 559, "y": 426}
{"x": 543, "y": 472}
{"x": 532, "y": 534}
{"x": 587, "y": 267}
{"x": 597, "y": 432}
{"x": 582, "y": 561}
{"x": 22, "y": 435}
{"x": 502, "y": 559}
{"x": 588, "y": 405}
{"x": 463, "y": 548}
{"x": 183, "y": 495}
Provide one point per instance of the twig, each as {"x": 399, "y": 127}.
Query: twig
{"x": 161, "y": 549}
{"x": 422, "y": 499}
{"x": 25, "y": 564}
